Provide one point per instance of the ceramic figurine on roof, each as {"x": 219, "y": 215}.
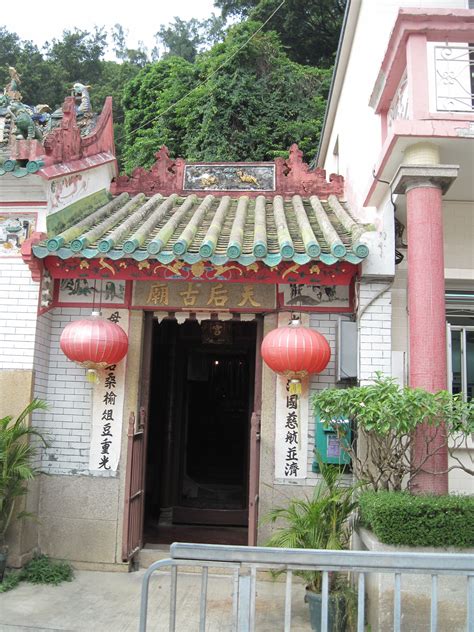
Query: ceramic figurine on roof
{"x": 80, "y": 92}
{"x": 86, "y": 119}
{"x": 6, "y": 119}
{"x": 25, "y": 126}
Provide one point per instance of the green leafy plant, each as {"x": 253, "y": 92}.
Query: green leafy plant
{"x": 43, "y": 570}
{"x": 10, "y": 581}
{"x": 16, "y": 468}
{"x": 319, "y": 521}
{"x": 386, "y": 416}
{"x": 40, "y": 570}
{"x": 400, "y": 518}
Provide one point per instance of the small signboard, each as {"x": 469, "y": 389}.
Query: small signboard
{"x": 191, "y": 296}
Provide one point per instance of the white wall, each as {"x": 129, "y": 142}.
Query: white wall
{"x": 356, "y": 127}
{"x": 67, "y": 423}
{"x": 19, "y": 304}
{"x": 458, "y": 220}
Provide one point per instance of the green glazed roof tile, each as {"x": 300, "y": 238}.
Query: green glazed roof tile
{"x": 216, "y": 229}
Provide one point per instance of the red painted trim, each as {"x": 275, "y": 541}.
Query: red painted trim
{"x": 69, "y": 168}
{"x": 292, "y": 176}
{"x": 417, "y": 76}
{"x": 437, "y": 25}
{"x": 43, "y": 204}
{"x": 340, "y": 273}
{"x": 35, "y": 265}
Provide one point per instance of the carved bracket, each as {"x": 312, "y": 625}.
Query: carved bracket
{"x": 35, "y": 265}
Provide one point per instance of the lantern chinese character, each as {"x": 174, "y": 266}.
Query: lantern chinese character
{"x": 295, "y": 352}
{"x": 94, "y": 343}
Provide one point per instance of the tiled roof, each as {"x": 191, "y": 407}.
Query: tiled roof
{"x": 216, "y": 229}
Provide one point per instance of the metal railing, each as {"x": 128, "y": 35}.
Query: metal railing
{"x": 454, "y": 68}
{"x": 244, "y": 562}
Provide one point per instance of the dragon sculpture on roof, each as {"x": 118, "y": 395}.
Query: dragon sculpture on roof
{"x": 26, "y": 122}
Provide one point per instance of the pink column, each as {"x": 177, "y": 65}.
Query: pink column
{"x": 427, "y": 321}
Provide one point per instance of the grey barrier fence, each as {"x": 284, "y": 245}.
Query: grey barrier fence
{"x": 244, "y": 562}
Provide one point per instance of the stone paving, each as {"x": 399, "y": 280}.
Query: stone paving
{"x": 109, "y": 602}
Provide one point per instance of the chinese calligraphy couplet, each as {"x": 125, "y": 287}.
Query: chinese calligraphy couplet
{"x": 291, "y": 428}
{"x": 291, "y": 432}
{"x": 107, "y": 409}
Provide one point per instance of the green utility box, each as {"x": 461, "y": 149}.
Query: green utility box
{"x": 329, "y": 442}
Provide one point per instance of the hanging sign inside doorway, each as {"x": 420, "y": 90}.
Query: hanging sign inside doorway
{"x": 291, "y": 426}
{"x": 107, "y": 409}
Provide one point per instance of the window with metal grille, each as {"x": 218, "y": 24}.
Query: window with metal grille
{"x": 460, "y": 335}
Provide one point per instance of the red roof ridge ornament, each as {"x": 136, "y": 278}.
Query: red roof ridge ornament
{"x": 94, "y": 343}
{"x": 295, "y": 352}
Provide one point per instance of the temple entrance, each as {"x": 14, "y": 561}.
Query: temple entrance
{"x": 201, "y": 402}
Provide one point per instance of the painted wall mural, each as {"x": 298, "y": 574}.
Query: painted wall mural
{"x": 229, "y": 178}
{"x": 14, "y": 229}
{"x": 301, "y": 295}
{"x": 90, "y": 291}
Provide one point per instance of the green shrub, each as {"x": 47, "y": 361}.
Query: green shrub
{"x": 425, "y": 520}
{"x": 10, "y": 581}
{"x": 42, "y": 570}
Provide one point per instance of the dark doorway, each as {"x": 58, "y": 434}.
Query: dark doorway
{"x": 201, "y": 401}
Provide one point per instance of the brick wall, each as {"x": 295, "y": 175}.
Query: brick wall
{"x": 19, "y": 303}
{"x": 374, "y": 347}
{"x": 325, "y": 324}
{"x": 375, "y": 321}
{"x": 62, "y": 384}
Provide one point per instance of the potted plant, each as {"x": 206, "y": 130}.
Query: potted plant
{"x": 319, "y": 521}
{"x": 16, "y": 469}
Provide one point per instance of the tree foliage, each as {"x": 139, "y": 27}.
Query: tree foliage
{"x": 308, "y": 30}
{"x": 241, "y": 100}
{"x": 47, "y": 76}
{"x": 187, "y": 38}
{"x": 212, "y": 95}
{"x": 386, "y": 418}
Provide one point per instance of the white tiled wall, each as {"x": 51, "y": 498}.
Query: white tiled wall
{"x": 62, "y": 384}
{"x": 19, "y": 303}
{"x": 375, "y": 321}
{"x": 325, "y": 324}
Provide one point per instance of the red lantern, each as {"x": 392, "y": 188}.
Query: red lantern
{"x": 295, "y": 352}
{"x": 94, "y": 343}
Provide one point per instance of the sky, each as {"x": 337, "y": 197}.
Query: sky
{"x": 142, "y": 18}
